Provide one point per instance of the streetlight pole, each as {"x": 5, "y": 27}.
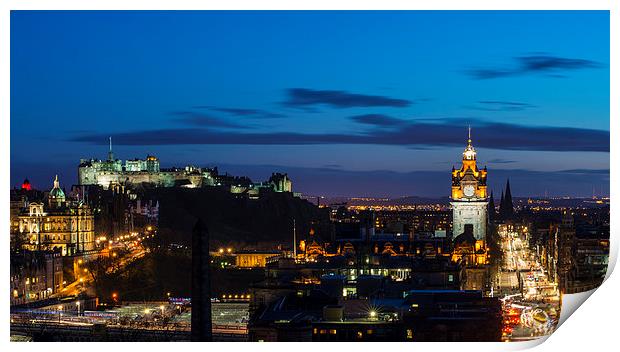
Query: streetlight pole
{"x": 294, "y": 241}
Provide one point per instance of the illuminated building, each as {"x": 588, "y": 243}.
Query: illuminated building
{"x": 254, "y": 259}
{"x": 61, "y": 225}
{"x": 35, "y": 275}
{"x": 469, "y": 195}
{"x": 281, "y": 182}
{"x": 111, "y": 173}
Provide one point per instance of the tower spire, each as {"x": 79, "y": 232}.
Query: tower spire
{"x": 110, "y": 154}
{"x": 508, "y": 206}
{"x": 470, "y": 152}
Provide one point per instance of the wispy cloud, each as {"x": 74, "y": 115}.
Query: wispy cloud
{"x": 202, "y": 120}
{"x": 304, "y": 98}
{"x": 377, "y": 120}
{"x": 500, "y": 161}
{"x": 258, "y": 113}
{"x": 419, "y": 134}
{"x": 497, "y": 105}
{"x": 523, "y": 65}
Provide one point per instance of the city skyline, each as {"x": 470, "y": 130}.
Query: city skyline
{"x": 306, "y": 176}
{"x": 363, "y": 98}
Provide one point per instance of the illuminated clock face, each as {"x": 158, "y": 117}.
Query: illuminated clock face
{"x": 469, "y": 190}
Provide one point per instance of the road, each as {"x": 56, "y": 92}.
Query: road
{"x": 85, "y": 281}
{"x": 531, "y": 302}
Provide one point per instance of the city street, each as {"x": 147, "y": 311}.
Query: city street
{"x": 531, "y": 302}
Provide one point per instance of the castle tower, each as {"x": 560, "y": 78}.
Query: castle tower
{"x": 469, "y": 195}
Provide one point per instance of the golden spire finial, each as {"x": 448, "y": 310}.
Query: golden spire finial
{"x": 469, "y": 134}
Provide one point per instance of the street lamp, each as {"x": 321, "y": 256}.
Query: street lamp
{"x": 59, "y": 313}
{"x": 78, "y": 308}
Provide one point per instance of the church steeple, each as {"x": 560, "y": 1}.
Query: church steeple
{"x": 508, "y": 201}
{"x": 506, "y": 208}
{"x": 491, "y": 210}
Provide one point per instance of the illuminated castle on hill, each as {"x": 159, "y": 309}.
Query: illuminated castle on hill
{"x": 111, "y": 172}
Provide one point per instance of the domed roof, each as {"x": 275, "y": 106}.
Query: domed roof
{"x": 56, "y": 192}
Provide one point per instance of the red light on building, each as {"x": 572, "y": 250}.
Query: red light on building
{"x": 26, "y": 185}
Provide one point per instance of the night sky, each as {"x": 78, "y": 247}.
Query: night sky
{"x": 348, "y": 103}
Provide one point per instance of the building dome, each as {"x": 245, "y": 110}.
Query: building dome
{"x": 57, "y": 192}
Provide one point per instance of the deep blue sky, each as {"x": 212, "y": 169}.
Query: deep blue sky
{"x": 349, "y": 103}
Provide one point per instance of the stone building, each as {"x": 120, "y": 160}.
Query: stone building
{"x": 111, "y": 173}
{"x": 469, "y": 195}
{"x": 280, "y": 182}
{"x": 66, "y": 226}
{"x": 254, "y": 259}
{"x": 35, "y": 275}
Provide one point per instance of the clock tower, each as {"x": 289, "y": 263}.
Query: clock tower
{"x": 469, "y": 196}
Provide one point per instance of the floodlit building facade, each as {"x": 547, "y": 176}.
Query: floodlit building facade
{"x": 65, "y": 226}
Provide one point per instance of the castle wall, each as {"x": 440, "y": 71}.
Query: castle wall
{"x": 89, "y": 175}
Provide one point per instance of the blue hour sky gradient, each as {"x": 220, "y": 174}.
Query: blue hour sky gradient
{"x": 372, "y": 103}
